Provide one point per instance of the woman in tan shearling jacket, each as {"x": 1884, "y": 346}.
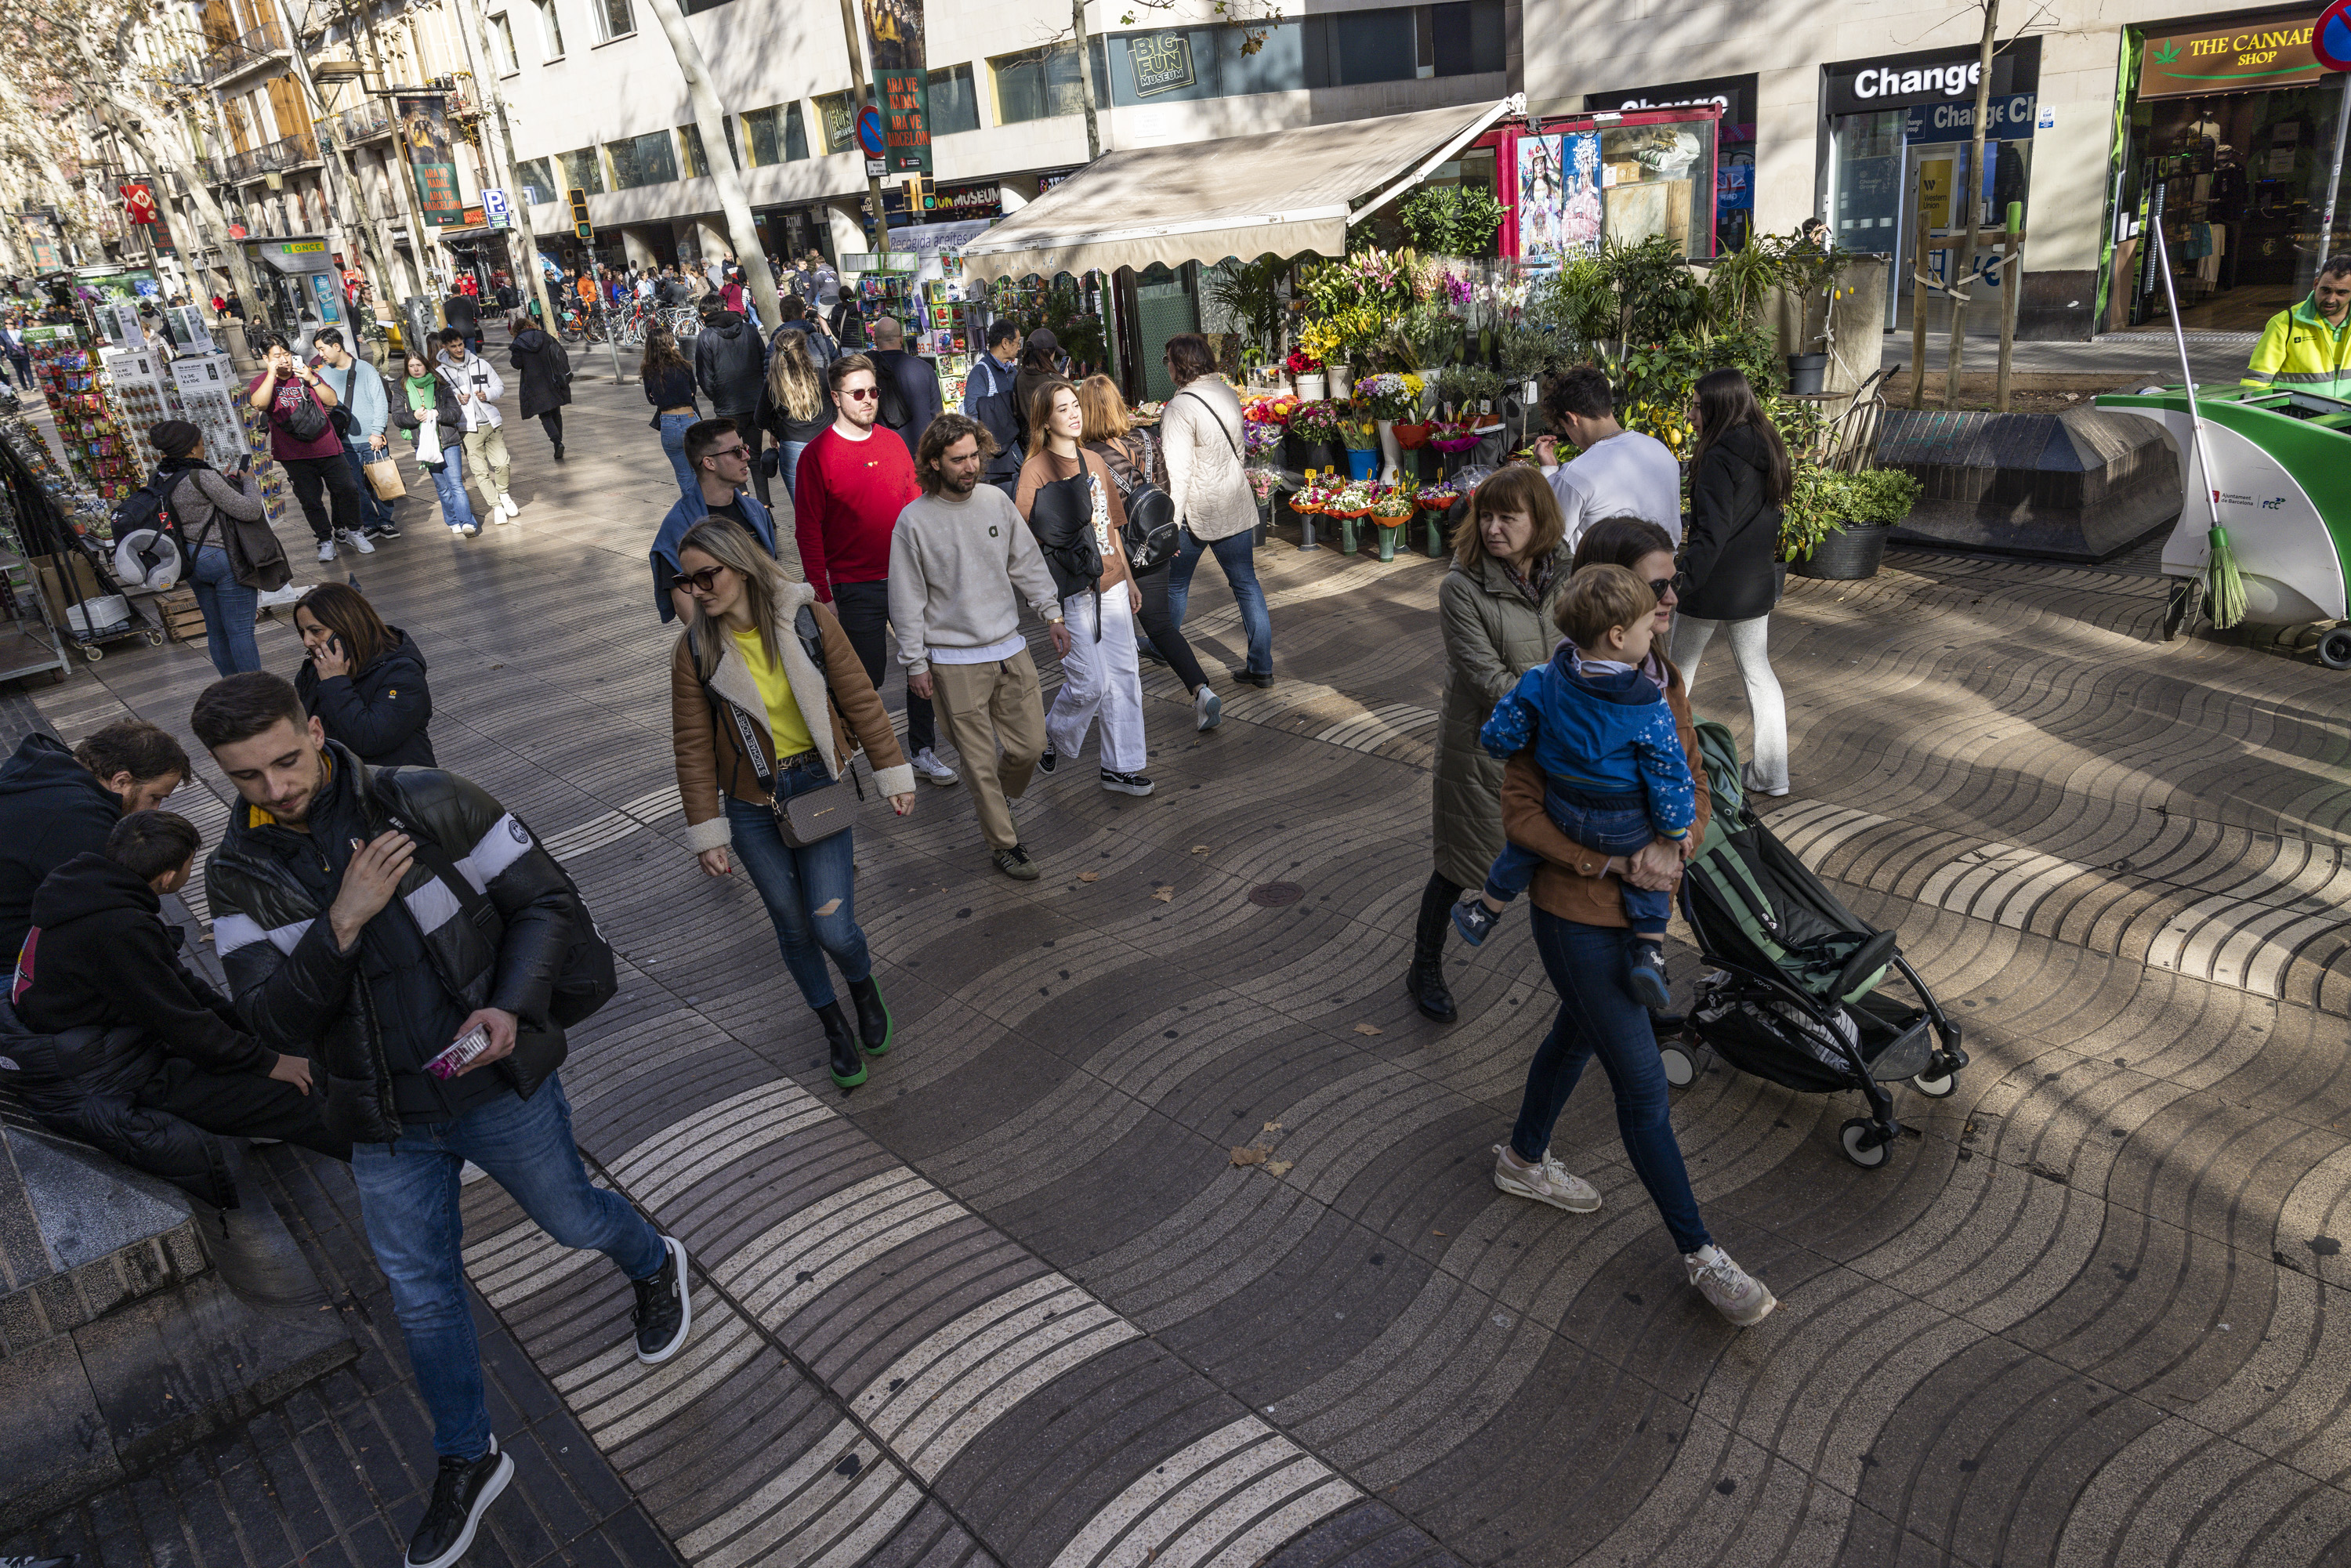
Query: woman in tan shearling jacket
{"x": 745, "y": 699}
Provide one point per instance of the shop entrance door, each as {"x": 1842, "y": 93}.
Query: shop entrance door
{"x": 1943, "y": 167}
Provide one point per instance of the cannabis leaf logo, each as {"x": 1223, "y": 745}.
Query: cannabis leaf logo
{"x": 2166, "y": 54}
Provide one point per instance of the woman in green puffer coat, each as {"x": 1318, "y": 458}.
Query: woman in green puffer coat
{"x": 1509, "y": 567}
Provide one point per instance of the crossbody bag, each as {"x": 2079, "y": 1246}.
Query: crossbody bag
{"x": 1215, "y": 420}
{"x": 1152, "y": 535}
{"x": 811, "y": 816}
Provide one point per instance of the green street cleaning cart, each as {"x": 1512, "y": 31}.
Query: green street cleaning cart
{"x": 2277, "y": 467}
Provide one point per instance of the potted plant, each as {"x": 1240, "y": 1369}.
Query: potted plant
{"x": 1360, "y": 434}
{"x": 1314, "y": 437}
{"x": 1834, "y": 525}
{"x": 1305, "y": 375}
{"x": 1390, "y": 396}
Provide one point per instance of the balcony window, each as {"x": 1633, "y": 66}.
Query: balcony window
{"x": 1037, "y": 84}
{"x": 954, "y": 101}
{"x": 550, "y": 30}
{"x": 776, "y": 135}
{"x": 614, "y": 19}
{"x": 502, "y": 36}
{"x": 644, "y": 160}
{"x": 582, "y": 170}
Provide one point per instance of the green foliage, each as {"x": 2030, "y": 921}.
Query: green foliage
{"x": 1825, "y": 499}
{"x": 1465, "y": 385}
{"x": 1425, "y": 337}
{"x": 1653, "y": 380}
{"x": 1656, "y": 293}
{"x": 1453, "y": 220}
{"x": 1250, "y": 293}
{"x": 1527, "y": 352}
{"x": 1881, "y": 495}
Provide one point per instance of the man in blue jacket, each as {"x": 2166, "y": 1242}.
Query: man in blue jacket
{"x": 987, "y": 398}
{"x": 360, "y": 390}
{"x": 721, "y": 459}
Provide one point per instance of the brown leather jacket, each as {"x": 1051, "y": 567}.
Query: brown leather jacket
{"x": 1571, "y": 882}
{"x": 707, "y": 750}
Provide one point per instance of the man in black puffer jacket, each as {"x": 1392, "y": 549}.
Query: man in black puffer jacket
{"x": 385, "y": 915}
{"x": 730, "y": 363}
{"x": 124, "y": 1049}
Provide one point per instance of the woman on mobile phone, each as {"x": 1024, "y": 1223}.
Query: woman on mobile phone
{"x": 363, "y": 680}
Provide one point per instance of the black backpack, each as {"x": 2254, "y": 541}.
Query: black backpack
{"x": 149, "y": 507}
{"x": 896, "y": 415}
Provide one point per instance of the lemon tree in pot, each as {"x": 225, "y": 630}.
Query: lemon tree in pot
{"x": 1834, "y": 524}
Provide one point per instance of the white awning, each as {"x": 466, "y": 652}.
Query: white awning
{"x": 1282, "y": 191}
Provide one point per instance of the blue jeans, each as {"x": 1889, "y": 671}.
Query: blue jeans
{"x": 673, "y": 434}
{"x": 787, "y": 465}
{"x": 796, "y": 884}
{"x": 374, "y": 512}
{"x": 449, "y": 483}
{"x": 1236, "y": 555}
{"x": 229, "y": 608}
{"x": 1597, "y": 1014}
{"x": 1612, "y": 824}
{"x": 409, "y": 1197}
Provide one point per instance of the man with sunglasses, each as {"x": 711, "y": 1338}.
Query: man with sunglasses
{"x": 721, "y": 459}
{"x": 852, "y": 482}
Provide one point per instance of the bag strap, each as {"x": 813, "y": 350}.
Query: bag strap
{"x": 475, "y": 904}
{"x": 1217, "y": 419}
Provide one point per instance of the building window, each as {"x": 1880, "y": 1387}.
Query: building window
{"x": 776, "y": 135}
{"x": 1467, "y": 37}
{"x": 644, "y": 160}
{"x": 689, "y": 140}
{"x": 614, "y": 19}
{"x": 838, "y": 114}
{"x": 538, "y": 180}
{"x": 502, "y": 35}
{"x": 580, "y": 170}
{"x": 955, "y": 102}
{"x": 550, "y": 31}
{"x": 1374, "y": 47}
{"x": 1037, "y": 84}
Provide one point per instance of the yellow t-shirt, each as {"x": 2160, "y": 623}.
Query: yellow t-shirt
{"x": 786, "y": 727}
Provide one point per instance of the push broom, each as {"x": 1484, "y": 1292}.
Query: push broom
{"x": 2224, "y": 584}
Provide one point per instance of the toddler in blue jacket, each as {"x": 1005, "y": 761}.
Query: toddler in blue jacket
{"x": 1614, "y": 774}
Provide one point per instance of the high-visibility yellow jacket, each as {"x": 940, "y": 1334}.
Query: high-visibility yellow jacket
{"x": 2303, "y": 351}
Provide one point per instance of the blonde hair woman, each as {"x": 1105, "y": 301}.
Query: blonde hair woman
{"x": 794, "y": 405}
{"x": 767, "y": 701}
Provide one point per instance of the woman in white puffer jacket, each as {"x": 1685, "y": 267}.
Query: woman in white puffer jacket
{"x": 1202, "y": 436}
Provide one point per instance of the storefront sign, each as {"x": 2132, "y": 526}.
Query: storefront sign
{"x": 2009, "y": 120}
{"x": 2274, "y": 54}
{"x": 947, "y": 202}
{"x": 1930, "y": 77}
{"x": 894, "y": 33}
{"x": 1163, "y": 63}
{"x": 1046, "y": 181}
{"x": 424, "y": 127}
{"x": 1735, "y": 94}
{"x": 139, "y": 202}
{"x": 44, "y": 244}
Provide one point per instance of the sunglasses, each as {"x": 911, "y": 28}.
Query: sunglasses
{"x": 703, "y": 581}
{"x": 1659, "y": 586}
{"x": 738, "y": 450}
{"x": 863, "y": 394}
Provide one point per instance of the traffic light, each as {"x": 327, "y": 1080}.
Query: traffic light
{"x": 919, "y": 194}
{"x": 579, "y": 224}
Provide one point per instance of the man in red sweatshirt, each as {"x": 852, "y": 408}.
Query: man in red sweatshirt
{"x": 853, "y": 481}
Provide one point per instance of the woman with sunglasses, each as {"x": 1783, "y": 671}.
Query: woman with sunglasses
{"x": 767, "y": 702}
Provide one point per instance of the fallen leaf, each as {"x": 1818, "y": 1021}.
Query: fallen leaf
{"x": 1271, "y": 1127}
{"x": 1367, "y": 1029}
{"x": 1249, "y": 1155}
{"x": 1278, "y": 1167}
{"x": 1165, "y": 894}
{"x": 1089, "y": 876}
{"x": 1199, "y": 849}
{"x": 1437, "y": 1233}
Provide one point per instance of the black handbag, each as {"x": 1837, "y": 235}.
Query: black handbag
{"x": 307, "y": 421}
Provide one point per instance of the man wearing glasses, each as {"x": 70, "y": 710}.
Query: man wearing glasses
{"x": 721, "y": 460}
{"x": 852, "y": 482}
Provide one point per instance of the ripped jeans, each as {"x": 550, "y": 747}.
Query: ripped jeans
{"x": 808, "y": 893}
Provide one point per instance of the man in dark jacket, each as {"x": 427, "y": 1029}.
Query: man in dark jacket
{"x": 140, "y": 1058}
{"x": 463, "y": 313}
{"x": 987, "y": 398}
{"x": 910, "y": 387}
{"x": 56, "y": 804}
{"x": 730, "y": 360}
{"x": 386, "y": 916}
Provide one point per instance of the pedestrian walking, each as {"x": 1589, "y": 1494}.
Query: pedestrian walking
{"x": 366, "y": 413}
{"x": 1040, "y": 361}
{"x": 989, "y": 396}
{"x": 852, "y": 482}
{"x": 1740, "y": 479}
{"x": 461, "y": 313}
{"x": 362, "y": 679}
{"x": 668, "y": 381}
{"x": 1587, "y": 949}
{"x": 769, "y": 703}
{"x": 961, "y": 562}
{"x": 1494, "y": 610}
{"x": 1133, "y": 460}
{"x": 479, "y": 387}
{"x": 799, "y": 321}
{"x": 303, "y": 439}
{"x": 729, "y": 364}
{"x": 1201, "y": 433}
{"x": 232, "y": 553}
{"x": 546, "y": 373}
{"x": 722, "y": 459}
{"x": 427, "y": 410}
{"x": 20, "y": 357}
{"x": 1617, "y": 472}
{"x": 392, "y": 953}
{"x": 1072, "y": 504}
{"x": 794, "y": 405}
{"x": 909, "y": 383}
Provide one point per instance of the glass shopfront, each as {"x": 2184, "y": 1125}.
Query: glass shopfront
{"x": 1900, "y": 130}
{"x": 1734, "y": 167}
{"x": 2233, "y": 138}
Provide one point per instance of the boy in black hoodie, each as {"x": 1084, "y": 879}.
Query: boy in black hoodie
{"x": 99, "y": 954}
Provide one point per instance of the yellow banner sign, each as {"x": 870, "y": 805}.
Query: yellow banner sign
{"x": 2234, "y": 59}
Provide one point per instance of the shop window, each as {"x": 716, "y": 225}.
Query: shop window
{"x": 776, "y": 135}
{"x": 1467, "y": 37}
{"x": 582, "y": 170}
{"x": 502, "y": 35}
{"x": 614, "y": 19}
{"x": 644, "y": 160}
{"x": 837, "y": 112}
{"x": 538, "y": 180}
{"x": 550, "y": 30}
{"x": 954, "y": 101}
{"x": 1037, "y": 84}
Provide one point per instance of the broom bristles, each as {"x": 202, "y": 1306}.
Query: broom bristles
{"x": 2226, "y": 586}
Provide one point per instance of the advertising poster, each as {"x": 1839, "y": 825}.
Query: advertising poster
{"x": 1538, "y": 200}
{"x": 1580, "y": 207}
{"x": 425, "y": 126}
{"x": 893, "y": 32}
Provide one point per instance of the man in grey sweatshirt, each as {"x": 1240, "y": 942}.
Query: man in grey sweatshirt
{"x": 961, "y": 559}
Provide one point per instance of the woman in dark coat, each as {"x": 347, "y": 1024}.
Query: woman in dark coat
{"x": 545, "y": 379}
{"x": 363, "y": 680}
{"x": 1739, "y": 481}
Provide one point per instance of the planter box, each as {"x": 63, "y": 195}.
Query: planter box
{"x": 1845, "y": 555}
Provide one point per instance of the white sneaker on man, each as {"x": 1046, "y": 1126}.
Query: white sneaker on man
{"x": 507, "y": 505}
{"x": 1548, "y": 1182}
{"x": 928, "y": 765}
{"x": 1738, "y": 1295}
{"x": 359, "y": 542}
{"x": 326, "y": 549}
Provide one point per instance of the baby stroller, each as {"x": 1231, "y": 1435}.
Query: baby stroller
{"x": 1796, "y": 997}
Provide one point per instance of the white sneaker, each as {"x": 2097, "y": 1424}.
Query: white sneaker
{"x": 931, "y": 767}
{"x": 1738, "y": 1295}
{"x": 507, "y": 505}
{"x": 1208, "y": 709}
{"x": 361, "y": 543}
{"x": 326, "y": 549}
{"x": 1546, "y": 1183}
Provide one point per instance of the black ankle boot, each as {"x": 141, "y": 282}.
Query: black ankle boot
{"x": 848, "y": 1066}
{"x": 874, "y": 1025}
{"x": 1424, "y": 981}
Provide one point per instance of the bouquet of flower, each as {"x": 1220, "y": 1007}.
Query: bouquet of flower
{"x": 1357, "y": 432}
{"x": 1313, "y": 498}
{"x": 1352, "y": 502}
{"x": 1453, "y": 435}
{"x": 1315, "y": 422}
{"x": 1391, "y": 395}
{"x": 1272, "y": 409}
{"x": 1264, "y": 482}
{"x": 1261, "y": 438}
{"x": 1319, "y": 341}
{"x": 1394, "y": 505}
{"x": 1301, "y": 363}
{"x": 1438, "y": 497}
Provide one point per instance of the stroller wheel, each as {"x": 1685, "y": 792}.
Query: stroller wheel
{"x": 1681, "y": 1067}
{"x": 1860, "y": 1143}
{"x": 1934, "y": 1086}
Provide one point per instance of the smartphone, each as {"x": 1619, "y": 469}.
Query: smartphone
{"x": 460, "y": 1054}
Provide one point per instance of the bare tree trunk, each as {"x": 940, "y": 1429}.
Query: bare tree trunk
{"x": 1968, "y": 199}
{"x": 1085, "y": 78}
{"x": 125, "y": 116}
{"x": 476, "y": 32}
{"x": 396, "y": 170}
{"x": 718, "y": 156}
